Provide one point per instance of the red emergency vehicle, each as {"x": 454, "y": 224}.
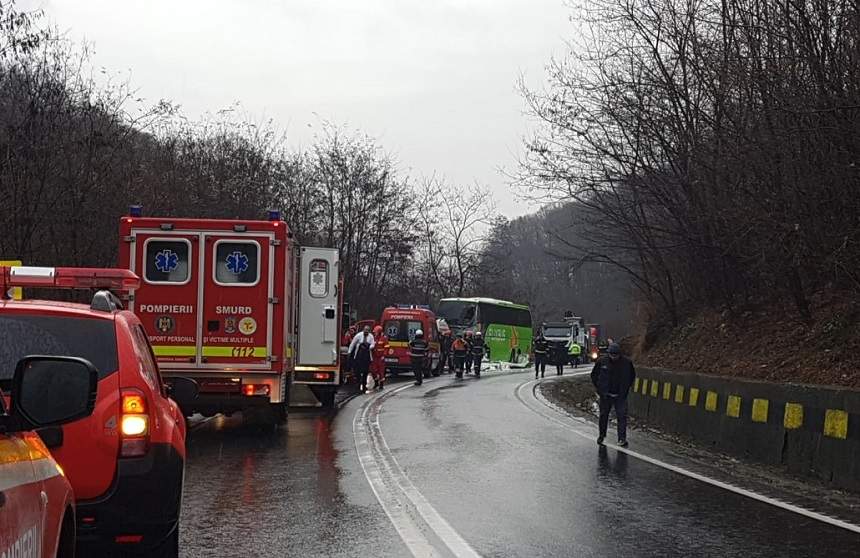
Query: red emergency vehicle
{"x": 125, "y": 462}
{"x": 399, "y": 324}
{"x": 37, "y": 508}
{"x": 239, "y": 307}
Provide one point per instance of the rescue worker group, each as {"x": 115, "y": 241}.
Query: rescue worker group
{"x": 613, "y": 374}
{"x": 461, "y": 355}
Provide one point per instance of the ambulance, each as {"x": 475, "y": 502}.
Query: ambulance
{"x": 399, "y": 324}
{"x": 238, "y": 306}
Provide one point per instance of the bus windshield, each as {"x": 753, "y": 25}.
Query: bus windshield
{"x": 457, "y": 312}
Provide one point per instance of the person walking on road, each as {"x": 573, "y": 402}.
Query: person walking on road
{"x": 418, "y": 349}
{"x": 468, "y": 362}
{"x": 477, "y": 352}
{"x": 378, "y": 366}
{"x": 558, "y": 356}
{"x": 458, "y": 349}
{"x": 612, "y": 376}
{"x": 361, "y": 353}
{"x": 540, "y": 348}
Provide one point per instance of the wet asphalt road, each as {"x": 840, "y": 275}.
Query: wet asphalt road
{"x": 468, "y": 468}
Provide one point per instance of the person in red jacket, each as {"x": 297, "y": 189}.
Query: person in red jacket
{"x": 377, "y": 368}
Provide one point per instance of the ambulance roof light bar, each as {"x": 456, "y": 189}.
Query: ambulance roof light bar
{"x": 135, "y": 210}
{"x": 68, "y": 278}
{"x": 274, "y": 215}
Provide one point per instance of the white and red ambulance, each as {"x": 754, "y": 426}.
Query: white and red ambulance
{"x": 239, "y": 307}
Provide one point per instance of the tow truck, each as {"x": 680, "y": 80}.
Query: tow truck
{"x": 238, "y": 306}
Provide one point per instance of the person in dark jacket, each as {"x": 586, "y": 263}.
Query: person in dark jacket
{"x": 469, "y": 340}
{"x": 361, "y": 351}
{"x": 612, "y": 376}
{"x": 540, "y": 347}
{"x": 477, "y": 351}
{"x": 418, "y": 349}
{"x": 445, "y": 352}
{"x": 558, "y": 356}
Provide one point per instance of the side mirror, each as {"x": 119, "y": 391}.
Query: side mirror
{"x": 53, "y": 390}
{"x": 182, "y": 390}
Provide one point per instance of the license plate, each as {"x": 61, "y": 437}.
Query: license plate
{"x": 392, "y": 360}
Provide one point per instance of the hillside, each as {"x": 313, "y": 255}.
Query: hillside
{"x": 767, "y": 343}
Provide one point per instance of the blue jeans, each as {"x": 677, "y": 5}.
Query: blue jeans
{"x": 619, "y": 403}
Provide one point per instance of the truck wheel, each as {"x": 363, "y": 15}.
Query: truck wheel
{"x": 325, "y": 395}
{"x": 280, "y": 411}
{"x": 262, "y": 417}
{"x": 327, "y": 399}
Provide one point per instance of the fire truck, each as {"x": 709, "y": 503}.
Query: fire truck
{"x": 238, "y": 306}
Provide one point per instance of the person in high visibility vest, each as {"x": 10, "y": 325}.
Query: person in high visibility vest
{"x": 575, "y": 352}
{"x": 459, "y": 349}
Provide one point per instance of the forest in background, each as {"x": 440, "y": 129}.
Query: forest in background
{"x": 713, "y": 150}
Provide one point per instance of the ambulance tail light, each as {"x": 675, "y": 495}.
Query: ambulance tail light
{"x": 134, "y": 424}
{"x": 70, "y": 278}
{"x": 250, "y": 390}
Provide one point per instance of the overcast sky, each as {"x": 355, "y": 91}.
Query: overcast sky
{"x": 433, "y": 80}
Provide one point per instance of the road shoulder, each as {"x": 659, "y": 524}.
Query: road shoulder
{"x": 574, "y": 397}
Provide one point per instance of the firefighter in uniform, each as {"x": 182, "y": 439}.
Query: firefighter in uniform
{"x": 445, "y": 352}
{"x": 418, "y": 349}
{"x": 378, "y": 366}
{"x": 477, "y": 351}
{"x": 468, "y": 361}
{"x": 458, "y": 350}
{"x": 540, "y": 348}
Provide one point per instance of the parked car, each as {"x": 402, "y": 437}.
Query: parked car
{"x": 126, "y": 461}
{"x": 37, "y": 507}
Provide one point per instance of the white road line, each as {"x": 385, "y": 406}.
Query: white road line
{"x": 680, "y": 470}
{"x": 408, "y": 530}
{"x": 381, "y": 470}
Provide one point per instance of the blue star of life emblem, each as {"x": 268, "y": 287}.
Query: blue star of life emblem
{"x": 166, "y": 261}
{"x": 237, "y": 263}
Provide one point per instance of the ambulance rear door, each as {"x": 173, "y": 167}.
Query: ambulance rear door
{"x": 318, "y": 323}
{"x": 238, "y": 299}
{"x": 168, "y": 263}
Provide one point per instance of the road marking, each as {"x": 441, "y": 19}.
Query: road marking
{"x": 393, "y": 488}
{"x": 674, "y": 468}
